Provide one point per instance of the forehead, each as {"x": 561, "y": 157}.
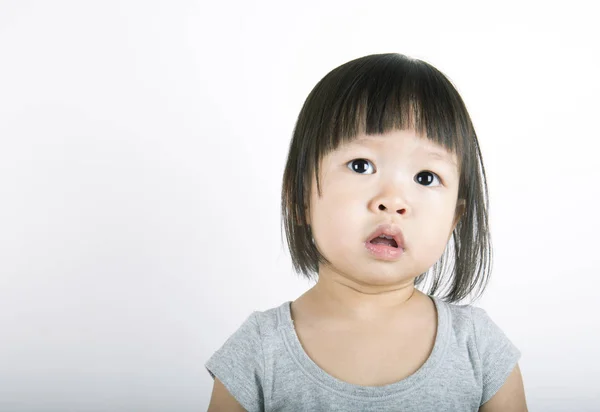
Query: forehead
{"x": 425, "y": 146}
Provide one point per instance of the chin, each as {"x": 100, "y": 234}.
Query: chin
{"x": 378, "y": 278}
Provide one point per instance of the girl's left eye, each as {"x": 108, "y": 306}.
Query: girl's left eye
{"x": 360, "y": 165}
{"x": 426, "y": 177}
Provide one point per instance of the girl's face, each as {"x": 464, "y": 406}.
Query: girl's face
{"x": 397, "y": 178}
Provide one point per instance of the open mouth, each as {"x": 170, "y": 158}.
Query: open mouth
{"x": 384, "y": 240}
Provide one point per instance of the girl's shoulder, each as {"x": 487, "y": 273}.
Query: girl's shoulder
{"x": 471, "y": 323}
{"x": 260, "y": 325}
{"x": 240, "y": 362}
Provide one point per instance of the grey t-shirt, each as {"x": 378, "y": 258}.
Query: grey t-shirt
{"x": 264, "y": 366}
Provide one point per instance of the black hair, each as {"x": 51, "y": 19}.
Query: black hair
{"x": 376, "y": 94}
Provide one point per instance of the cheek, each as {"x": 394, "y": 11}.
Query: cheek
{"x": 335, "y": 224}
{"x": 432, "y": 227}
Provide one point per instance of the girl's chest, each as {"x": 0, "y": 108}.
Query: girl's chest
{"x": 369, "y": 356}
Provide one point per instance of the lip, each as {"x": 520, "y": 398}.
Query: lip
{"x": 388, "y": 230}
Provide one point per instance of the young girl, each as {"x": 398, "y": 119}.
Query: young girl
{"x": 384, "y": 169}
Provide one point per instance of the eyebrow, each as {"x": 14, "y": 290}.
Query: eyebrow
{"x": 441, "y": 156}
{"x": 431, "y": 152}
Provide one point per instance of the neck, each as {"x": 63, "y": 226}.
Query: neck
{"x": 344, "y": 299}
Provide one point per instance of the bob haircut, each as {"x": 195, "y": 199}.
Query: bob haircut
{"x": 373, "y": 95}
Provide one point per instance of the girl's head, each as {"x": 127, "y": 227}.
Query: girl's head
{"x": 385, "y": 139}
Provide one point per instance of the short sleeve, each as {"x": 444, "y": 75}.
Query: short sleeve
{"x": 498, "y": 355}
{"x": 239, "y": 365}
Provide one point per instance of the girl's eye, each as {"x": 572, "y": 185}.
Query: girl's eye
{"x": 360, "y": 165}
{"x": 425, "y": 177}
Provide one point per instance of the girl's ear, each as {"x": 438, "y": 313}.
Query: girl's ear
{"x": 307, "y": 214}
{"x": 298, "y": 222}
{"x": 460, "y": 211}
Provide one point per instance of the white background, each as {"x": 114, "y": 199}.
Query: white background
{"x": 142, "y": 145}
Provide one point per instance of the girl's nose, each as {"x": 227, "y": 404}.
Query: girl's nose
{"x": 383, "y": 207}
{"x": 389, "y": 203}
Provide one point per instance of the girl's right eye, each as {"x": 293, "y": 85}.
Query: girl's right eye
{"x": 360, "y": 166}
